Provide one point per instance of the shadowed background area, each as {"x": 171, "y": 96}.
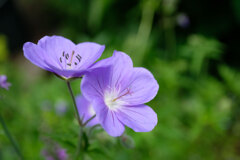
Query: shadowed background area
{"x": 191, "y": 47}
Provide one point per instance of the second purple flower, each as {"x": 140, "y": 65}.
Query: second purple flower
{"x": 61, "y": 56}
{"x": 118, "y": 91}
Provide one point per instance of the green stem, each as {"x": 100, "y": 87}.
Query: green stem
{"x": 74, "y": 102}
{"x": 8, "y": 134}
{"x": 170, "y": 37}
{"x": 84, "y": 124}
{"x": 145, "y": 27}
{"x": 91, "y": 129}
{"x": 79, "y": 146}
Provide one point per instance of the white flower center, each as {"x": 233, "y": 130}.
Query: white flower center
{"x": 113, "y": 100}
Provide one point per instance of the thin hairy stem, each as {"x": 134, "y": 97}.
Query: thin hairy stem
{"x": 79, "y": 145}
{"x": 9, "y": 136}
{"x": 84, "y": 124}
{"x": 92, "y": 129}
{"x": 74, "y": 102}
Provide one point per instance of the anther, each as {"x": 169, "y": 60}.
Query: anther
{"x": 67, "y": 56}
{"x": 79, "y": 57}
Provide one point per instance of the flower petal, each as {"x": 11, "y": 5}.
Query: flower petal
{"x": 95, "y": 83}
{"x": 35, "y": 54}
{"x": 108, "y": 119}
{"x": 140, "y": 118}
{"x": 142, "y": 87}
{"x": 89, "y": 53}
{"x": 121, "y": 68}
{"x": 3, "y": 82}
{"x": 54, "y": 46}
{"x": 86, "y": 110}
{"x": 65, "y": 72}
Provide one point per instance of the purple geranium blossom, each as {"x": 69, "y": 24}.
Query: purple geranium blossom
{"x": 3, "y": 82}
{"x": 118, "y": 92}
{"x": 55, "y": 153}
{"x": 86, "y": 111}
{"x": 61, "y": 56}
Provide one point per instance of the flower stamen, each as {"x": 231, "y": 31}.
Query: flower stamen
{"x": 79, "y": 59}
{"x": 69, "y": 64}
{"x": 65, "y": 56}
{"x": 128, "y": 92}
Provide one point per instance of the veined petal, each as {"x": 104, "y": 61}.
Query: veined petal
{"x": 140, "y": 118}
{"x": 121, "y": 68}
{"x": 35, "y": 54}
{"x": 85, "y": 110}
{"x": 142, "y": 87}
{"x": 89, "y": 53}
{"x": 54, "y": 46}
{"x": 108, "y": 119}
{"x": 95, "y": 83}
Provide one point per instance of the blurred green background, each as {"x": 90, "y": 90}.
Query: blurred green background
{"x": 191, "y": 47}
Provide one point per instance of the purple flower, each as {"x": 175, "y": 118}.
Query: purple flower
{"x": 3, "y": 82}
{"x": 61, "y": 154}
{"x": 118, "y": 92}
{"x": 54, "y": 153}
{"x": 86, "y": 111}
{"x": 61, "y": 56}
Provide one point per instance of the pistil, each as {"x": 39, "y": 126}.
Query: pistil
{"x": 70, "y": 64}
{"x": 128, "y": 92}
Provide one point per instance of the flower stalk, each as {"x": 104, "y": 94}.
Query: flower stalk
{"x": 79, "y": 145}
{"x": 84, "y": 124}
{"x": 9, "y": 136}
{"x": 74, "y": 103}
